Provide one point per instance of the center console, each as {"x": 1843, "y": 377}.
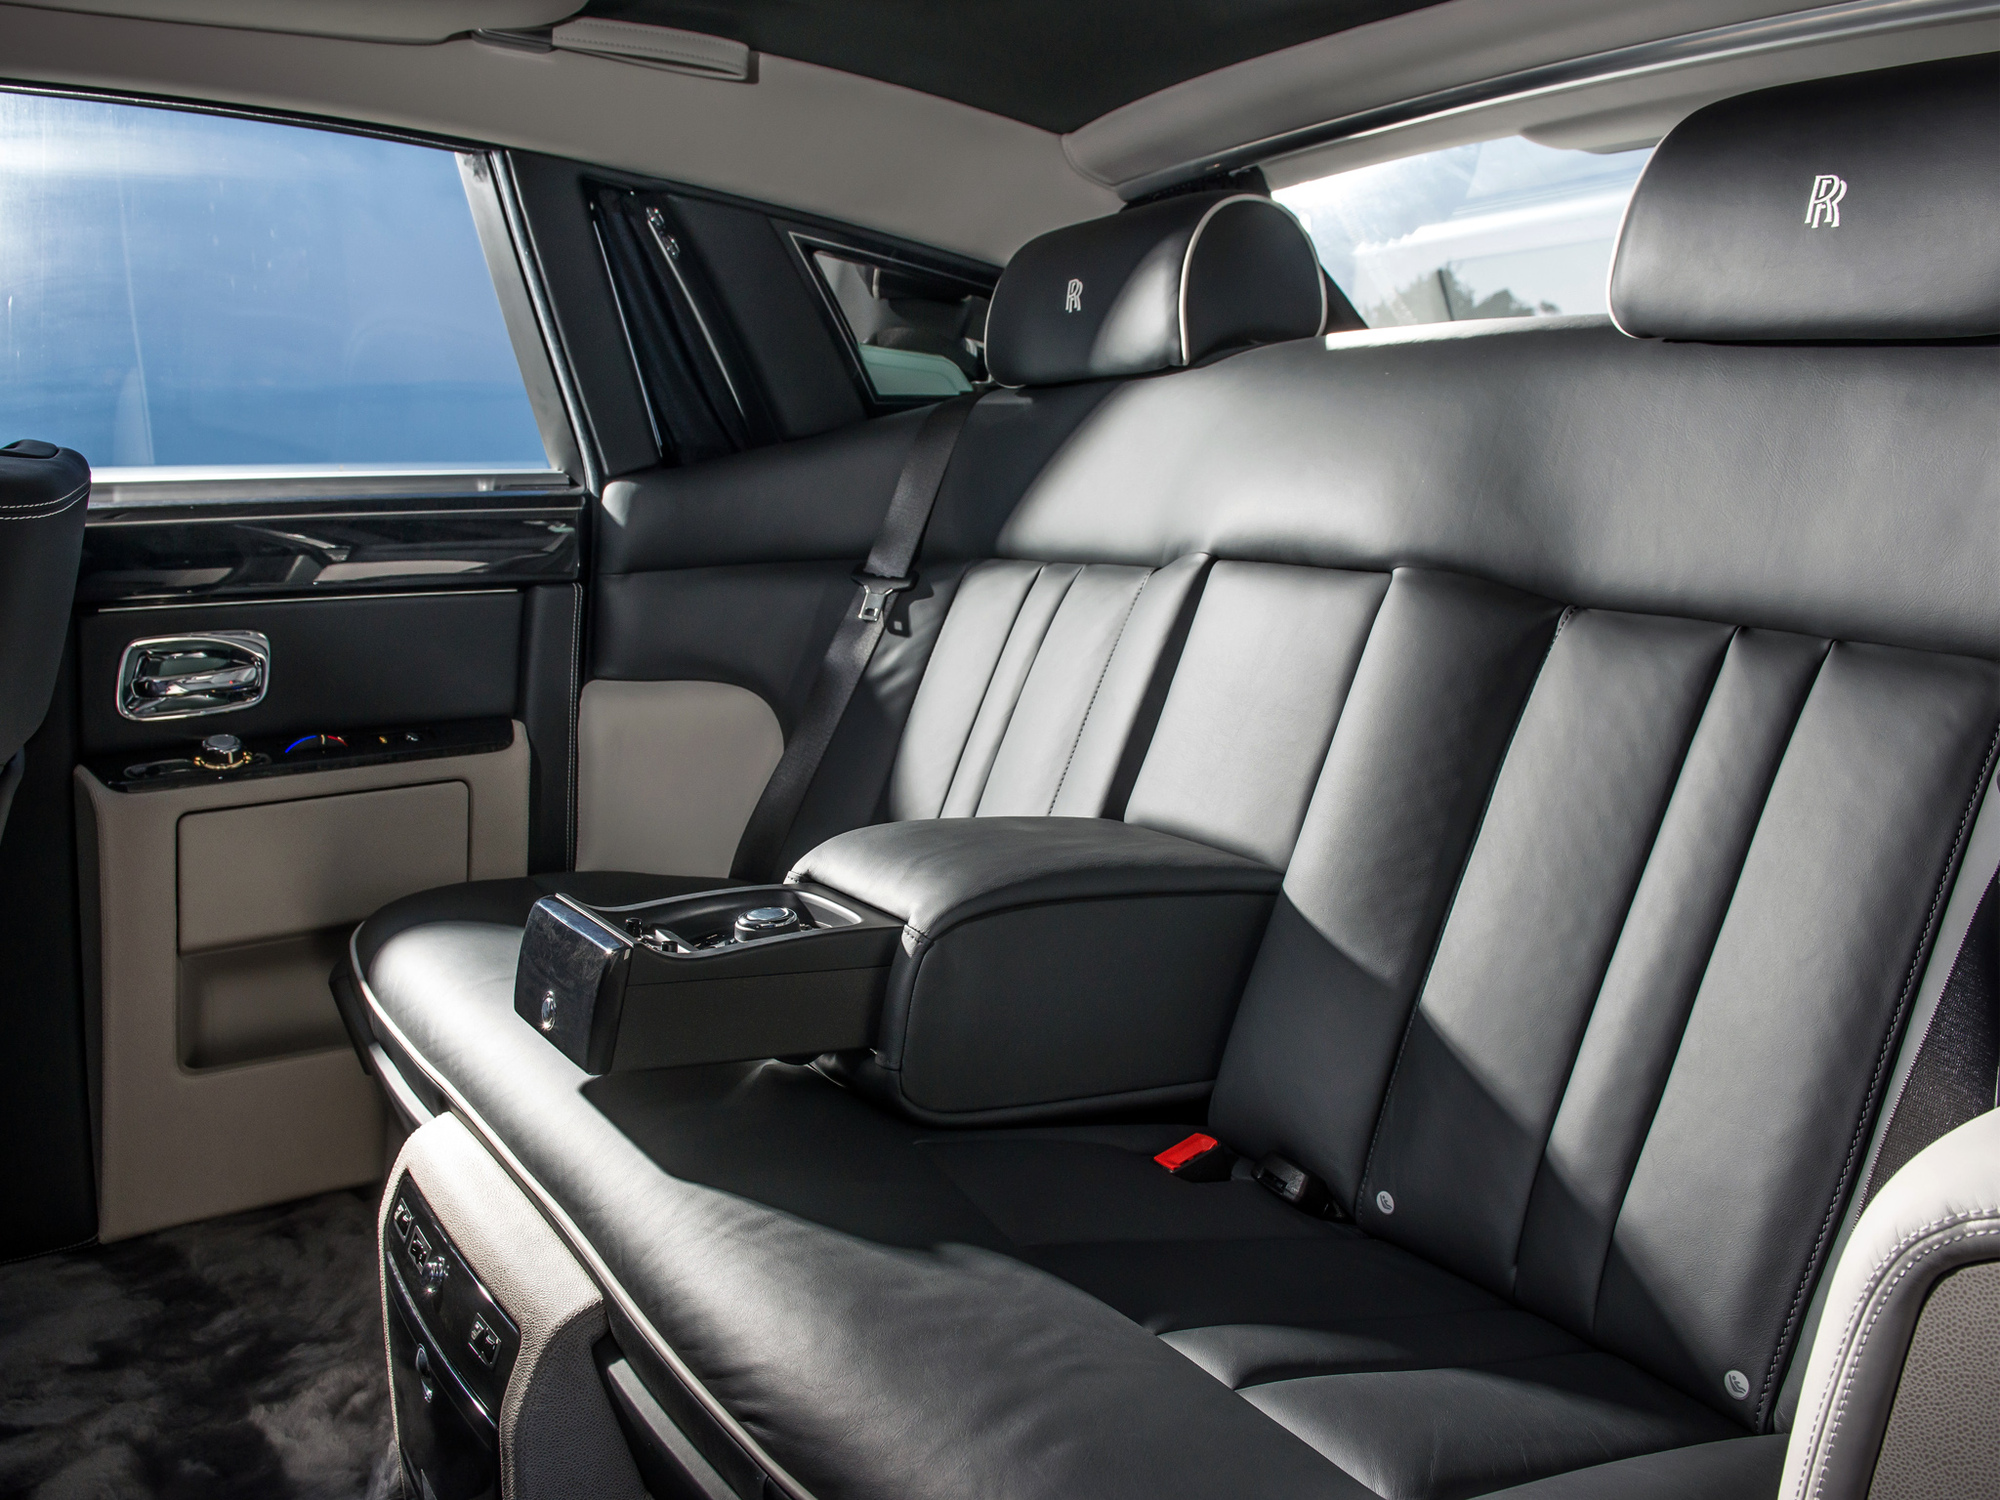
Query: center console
{"x": 960, "y": 970}
{"x": 753, "y": 971}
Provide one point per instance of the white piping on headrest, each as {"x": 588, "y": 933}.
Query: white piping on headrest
{"x": 1187, "y": 259}
{"x": 1618, "y": 239}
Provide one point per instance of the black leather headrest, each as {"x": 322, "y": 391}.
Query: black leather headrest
{"x": 43, "y": 492}
{"x": 1862, "y": 207}
{"x": 1153, "y": 288}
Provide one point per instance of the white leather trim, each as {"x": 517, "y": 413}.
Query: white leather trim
{"x": 558, "y": 1436}
{"x": 1187, "y": 260}
{"x": 668, "y": 772}
{"x": 1940, "y": 1212}
{"x": 592, "y": 1261}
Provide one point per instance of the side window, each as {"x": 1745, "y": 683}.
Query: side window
{"x": 918, "y": 334}
{"x": 187, "y": 292}
{"x": 1501, "y": 229}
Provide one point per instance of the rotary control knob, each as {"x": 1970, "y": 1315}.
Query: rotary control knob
{"x": 434, "y": 1271}
{"x": 221, "y": 752}
{"x": 766, "y": 921}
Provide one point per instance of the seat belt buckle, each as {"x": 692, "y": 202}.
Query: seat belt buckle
{"x": 1199, "y": 1158}
{"x": 1296, "y": 1186}
{"x": 876, "y": 594}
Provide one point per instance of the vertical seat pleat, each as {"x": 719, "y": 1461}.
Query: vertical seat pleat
{"x": 1259, "y": 687}
{"x": 1143, "y": 656}
{"x": 1434, "y": 697}
{"x": 1003, "y": 691}
{"x": 1655, "y": 969}
{"x": 956, "y": 679}
{"x": 1760, "y": 1125}
{"x": 1057, "y": 692}
{"x": 1531, "y": 929}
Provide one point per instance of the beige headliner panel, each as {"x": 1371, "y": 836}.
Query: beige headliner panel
{"x": 381, "y": 20}
{"x": 1627, "y": 112}
{"x": 1384, "y": 63}
{"x": 176, "y": 1145}
{"x": 805, "y": 137}
{"x": 667, "y": 773}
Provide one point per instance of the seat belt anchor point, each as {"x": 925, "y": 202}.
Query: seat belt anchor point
{"x": 876, "y": 594}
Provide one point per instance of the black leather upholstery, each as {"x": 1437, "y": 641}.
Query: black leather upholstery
{"x": 1154, "y": 288}
{"x": 1618, "y": 712}
{"x": 43, "y": 490}
{"x": 1048, "y": 964}
{"x": 1858, "y": 207}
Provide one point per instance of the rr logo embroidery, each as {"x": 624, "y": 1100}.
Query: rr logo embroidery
{"x": 1823, "y": 207}
{"x": 1073, "y": 295}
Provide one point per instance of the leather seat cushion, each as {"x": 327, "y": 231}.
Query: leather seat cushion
{"x": 729, "y": 1201}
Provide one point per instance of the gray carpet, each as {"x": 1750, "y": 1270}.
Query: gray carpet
{"x": 233, "y": 1359}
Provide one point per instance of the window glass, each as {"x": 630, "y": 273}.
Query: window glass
{"x": 183, "y": 289}
{"x": 917, "y": 334}
{"x": 1502, "y": 229}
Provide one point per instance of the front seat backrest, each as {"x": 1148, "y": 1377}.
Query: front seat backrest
{"x": 42, "y": 493}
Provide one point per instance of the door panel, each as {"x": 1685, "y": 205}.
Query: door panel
{"x": 668, "y": 773}
{"x": 335, "y": 664}
{"x": 205, "y": 909}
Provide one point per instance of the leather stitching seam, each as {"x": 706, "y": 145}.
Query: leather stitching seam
{"x": 1437, "y": 941}
{"x": 1884, "y": 1060}
{"x": 1875, "y": 1298}
{"x": 1102, "y": 673}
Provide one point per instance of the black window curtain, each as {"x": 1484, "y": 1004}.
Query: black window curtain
{"x": 698, "y": 403}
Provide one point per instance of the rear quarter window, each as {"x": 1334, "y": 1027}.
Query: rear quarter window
{"x": 1499, "y": 229}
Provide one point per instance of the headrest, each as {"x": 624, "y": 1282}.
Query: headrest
{"x": 1153, "y": 288}
{"x": 1861, "y": 207}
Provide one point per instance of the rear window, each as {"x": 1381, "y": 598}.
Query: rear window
{"x": 1501, "y": 229}
{"x": 194, "y": 292}
{"x": 917, "y": 334}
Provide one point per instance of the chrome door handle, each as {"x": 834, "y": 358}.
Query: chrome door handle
{"x": 181, "y": 676}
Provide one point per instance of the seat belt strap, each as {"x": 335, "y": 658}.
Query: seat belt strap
{"x": 888, "y": 571}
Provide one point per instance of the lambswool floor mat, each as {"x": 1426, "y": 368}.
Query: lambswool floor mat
{"x": 233, "y": 1359}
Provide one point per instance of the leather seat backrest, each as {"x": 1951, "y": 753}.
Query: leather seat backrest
{"x": 1603, "y": 924}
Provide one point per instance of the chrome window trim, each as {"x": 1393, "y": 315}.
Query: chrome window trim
{"x": 543, "y": 370}
{"x": 240, "y": 487}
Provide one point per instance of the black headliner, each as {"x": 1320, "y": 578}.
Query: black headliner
{"x": 1053, "y": 63}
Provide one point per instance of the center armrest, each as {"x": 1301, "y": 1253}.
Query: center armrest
{"x": 938, "y": 872}
{"x": 1048, "y": 966}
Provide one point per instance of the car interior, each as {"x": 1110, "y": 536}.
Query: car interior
{"x": 826, "y": 750}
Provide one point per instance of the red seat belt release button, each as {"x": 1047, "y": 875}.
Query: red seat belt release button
{"x": 1181, "y": 1153}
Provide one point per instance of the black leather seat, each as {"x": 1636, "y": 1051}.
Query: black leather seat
{"x": 43, "y": 490}
{"x": 1641, "y": 740}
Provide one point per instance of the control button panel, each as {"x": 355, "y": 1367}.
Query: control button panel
{"x": 459, "y": 1318}
{"x": 229, "y": 757}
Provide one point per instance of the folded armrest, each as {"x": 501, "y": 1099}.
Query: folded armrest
{"x": 1048, "y": 965}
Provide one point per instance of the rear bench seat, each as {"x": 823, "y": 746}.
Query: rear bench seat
{"x": 1671, "y": 702}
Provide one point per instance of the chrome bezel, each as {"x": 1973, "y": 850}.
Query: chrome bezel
{"x": 252, "y": 643}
